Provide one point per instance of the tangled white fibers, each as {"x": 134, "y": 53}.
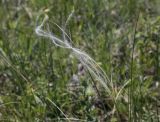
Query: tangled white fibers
{"x": 89, "y": 64}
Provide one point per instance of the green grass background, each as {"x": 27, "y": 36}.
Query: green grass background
{"x": 34, "y": 73}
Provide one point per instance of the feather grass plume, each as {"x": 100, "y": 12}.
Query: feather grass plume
{"x": 89, "y": 64}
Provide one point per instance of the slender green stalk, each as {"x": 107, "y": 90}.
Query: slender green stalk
{"x": 157, "y": 74}
{"x": 131, "y": 88}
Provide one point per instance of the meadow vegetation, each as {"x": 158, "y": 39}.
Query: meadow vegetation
{"x": 114, "y": 79}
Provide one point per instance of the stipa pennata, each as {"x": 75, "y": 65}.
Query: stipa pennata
{"x": 88, "y": 63}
